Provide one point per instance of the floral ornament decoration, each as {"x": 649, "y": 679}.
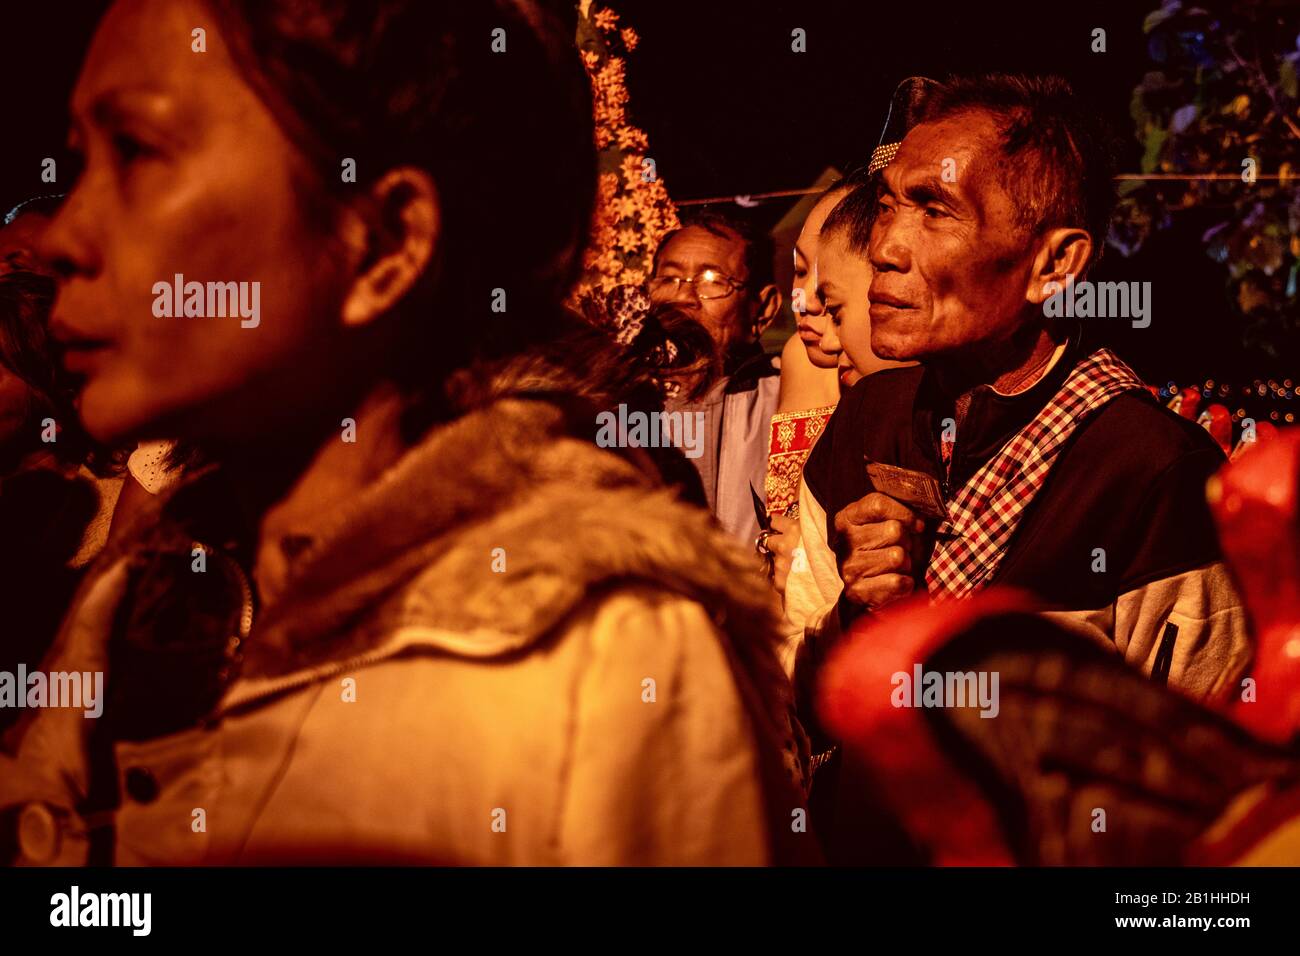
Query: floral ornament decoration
{"x": 633, "y": 210}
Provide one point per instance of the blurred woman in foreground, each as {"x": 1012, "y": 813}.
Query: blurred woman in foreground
{"x": 421, "y": 633}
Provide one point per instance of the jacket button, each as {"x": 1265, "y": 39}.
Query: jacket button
{"x": 141, "y": 785}
{"x": 40, "y": 831}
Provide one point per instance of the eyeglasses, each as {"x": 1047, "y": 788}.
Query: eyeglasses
{"x": 709, "y": 284}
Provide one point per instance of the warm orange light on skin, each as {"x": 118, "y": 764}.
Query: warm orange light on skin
{"x": 845, "y": 279}
{"x": 811, "y": 322}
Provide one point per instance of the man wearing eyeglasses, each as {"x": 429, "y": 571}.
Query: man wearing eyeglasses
{"x": 719, "y": 271}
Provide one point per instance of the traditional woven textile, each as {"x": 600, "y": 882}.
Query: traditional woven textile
{"x": 792, "y": 440}
{"x": 983, "y": 515}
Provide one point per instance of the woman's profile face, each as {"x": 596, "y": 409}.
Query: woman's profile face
{"x": 185, "y": 173}
{"x": 844, "y": 280}
{"x": 811, "y": 323}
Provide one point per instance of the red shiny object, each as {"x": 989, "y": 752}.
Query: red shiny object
{"x": 1262, "y": 432}
{"x": 1217, "y": 420}
{"x": 1253, "y": 500}
{"x": 1187, "y": 402}
{"x": 943, "y": 809}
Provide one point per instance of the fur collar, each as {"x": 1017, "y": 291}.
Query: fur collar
{"x": 419, "y": 548}
{"x": 415, "y": 549}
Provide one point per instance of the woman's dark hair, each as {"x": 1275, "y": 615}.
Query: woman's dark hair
{"x": 491, "y": 99}
{"x": 585, "y": 361}
{"x": 182, "y": 456}
{"x": 593, "y": 366}
{"x": 25, "y": 347}
{"x": 27, "y": 351}
{"x": 854, "y": 215}
{"x": 638, "y": 344}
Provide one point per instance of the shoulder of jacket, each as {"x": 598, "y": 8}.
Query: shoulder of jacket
{"x": 1164, "y": 434}
{"x": 1136, "y": 447}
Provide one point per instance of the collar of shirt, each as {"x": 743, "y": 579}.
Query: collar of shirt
{"x": 991, "y": 419}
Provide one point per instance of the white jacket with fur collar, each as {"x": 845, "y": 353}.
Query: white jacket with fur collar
{"x": 611, "y": 697}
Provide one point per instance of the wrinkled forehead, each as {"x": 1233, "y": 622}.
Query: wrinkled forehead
{"x": 697, "y": 246}
{"x": 150, "y": 45}
{"x": 964, "y": 150}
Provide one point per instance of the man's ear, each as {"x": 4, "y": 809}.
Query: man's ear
{"x": 1061, "y": 253}
{"x": 393, "y": 251}
{"x": 769, "y": 307}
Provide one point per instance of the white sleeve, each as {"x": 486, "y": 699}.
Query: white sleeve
{"x": 813, "y": 587}
{"x": 1190, "y": 630}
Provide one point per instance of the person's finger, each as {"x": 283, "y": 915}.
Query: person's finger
{"x": 782, "y": 545}
{"x": 872, "y": 563}
{"x": 781, "y": 574}
{"x": 880, "y": 534}
{"x": 872, "y": 508}
{"x": 783, "y": 525}
{"x": 878, "y": 591}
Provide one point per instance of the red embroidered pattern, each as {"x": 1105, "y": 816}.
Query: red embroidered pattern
{"x": 792, "y": 438}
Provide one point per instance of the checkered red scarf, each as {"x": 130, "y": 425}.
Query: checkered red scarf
{"x": 983, "y": 515}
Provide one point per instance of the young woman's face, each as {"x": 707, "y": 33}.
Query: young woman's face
{"x": 844, "y": 280}
{"x": 811, "y": 323}
{"x": 186, "y": 172}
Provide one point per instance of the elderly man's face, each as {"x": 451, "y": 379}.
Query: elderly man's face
{"x": 951, "y": 264}
{"x": 731, "y": 318}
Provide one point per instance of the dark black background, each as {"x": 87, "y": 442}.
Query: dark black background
{"x": 730, "y": 109}
{"x": 640, "y": 910}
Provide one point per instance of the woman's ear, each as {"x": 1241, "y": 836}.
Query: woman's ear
{"x": 394, "y": 251}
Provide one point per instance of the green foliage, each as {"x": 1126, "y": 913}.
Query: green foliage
{"x": 1224, "y": 91}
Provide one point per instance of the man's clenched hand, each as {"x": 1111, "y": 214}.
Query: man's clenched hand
{"x": 877, "y": 549}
